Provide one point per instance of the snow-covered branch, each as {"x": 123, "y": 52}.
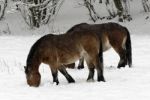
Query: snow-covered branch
{"x": 36, "y": 14}
{"x": 3, "y": 5}
{"x": 146, "y": 5}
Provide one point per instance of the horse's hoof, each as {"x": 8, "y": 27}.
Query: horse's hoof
{"x": 71, "y": 80}
{"x": 55, "y": 83}
{"x": 121, "y": 65}
{"x": 90, "y": 80}
{"x": 101, "y": 78}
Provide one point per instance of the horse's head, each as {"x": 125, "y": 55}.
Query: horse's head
{"x": 33, "y": 77}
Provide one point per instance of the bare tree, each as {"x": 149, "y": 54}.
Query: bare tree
{"x": 122, "y": 7}
{"x": 3, "y": 5}
{"x": 93, "y": 14}
{"x": 38, "y": 12}
{"x": 123, "y": 10}
{"x": 110, "y": 9}
{"x": 146, "y": 5}
{"x": 126, "y": 13}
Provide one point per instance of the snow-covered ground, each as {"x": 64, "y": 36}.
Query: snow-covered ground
{"x": 121, "y": 84}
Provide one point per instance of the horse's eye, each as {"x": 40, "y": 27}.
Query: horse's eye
{"x": 26, "y": 70}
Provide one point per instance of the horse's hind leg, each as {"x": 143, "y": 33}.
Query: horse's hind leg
{"x": 81, "y": 63}
{"x": 122, "y": 54}
{"x": 65, "y": 73}
{"x": 55, "y": 75}
{"x": 95, "y": 63}
{"x": 99, "y": 68}
{"x": 123, "y": 60}
{"x": 91, "y": 68}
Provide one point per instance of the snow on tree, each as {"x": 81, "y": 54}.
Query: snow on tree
{"x": 38, "y": 12}
{"x": 123, "y": 10}
{"x": 146, "y": 5}
{"x": 115, "y": 8}
{"x": 93, "y": 14}
{"x": 3, "y": 5}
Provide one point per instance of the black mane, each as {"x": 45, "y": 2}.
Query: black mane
{"x": 34, "y": 48}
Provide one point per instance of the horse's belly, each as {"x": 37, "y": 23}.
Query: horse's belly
{"x": 72, "y": 59}
{"x": 69, "y": 58}
{"x": 106, "y": 45}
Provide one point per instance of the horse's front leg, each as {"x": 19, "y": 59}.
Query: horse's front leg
{"x": 65, "y": 73}
{"x": 81, "y": 63}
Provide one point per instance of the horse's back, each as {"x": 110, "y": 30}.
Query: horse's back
{"x": 67, "y": 48}
{"x": 116, "y": 33}
{"x": 77, "y": 27}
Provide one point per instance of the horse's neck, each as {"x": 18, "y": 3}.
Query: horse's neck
{"x": 33, "y": 64}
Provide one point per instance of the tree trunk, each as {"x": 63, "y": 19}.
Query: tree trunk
{"x": 119, "y": 7}
{"x": 3, "y": 6}
{"x": 110, "y": 10}
{"x": 146, "y": 5}
{"x": 123, "y": 13}
{"x": 88, "y": 4}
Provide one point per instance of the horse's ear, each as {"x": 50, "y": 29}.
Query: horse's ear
{"x": 25, "y": 67}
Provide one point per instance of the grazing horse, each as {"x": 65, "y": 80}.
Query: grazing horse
{"x": 63, "y": 49}
{"x": 112, "y": 35}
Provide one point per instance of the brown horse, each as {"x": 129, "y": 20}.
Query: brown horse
{"x": 112, "y": 35}
{"x": 60, "y": 50}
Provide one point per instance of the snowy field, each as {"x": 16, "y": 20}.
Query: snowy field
{"x": 16, "y": 38}
{"x": 121, "y": 84}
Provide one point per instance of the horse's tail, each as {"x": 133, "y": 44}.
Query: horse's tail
{"x": 128, "y": 48}
{"x": 101, "y": 51}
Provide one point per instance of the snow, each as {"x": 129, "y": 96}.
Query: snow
{"x": 124, "y": 84}
{"x": 16, "y": 38}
